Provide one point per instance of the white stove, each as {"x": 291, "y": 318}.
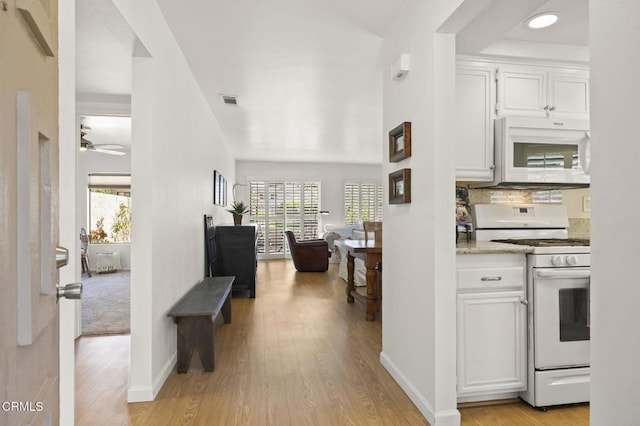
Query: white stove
{"x": 558, "y": 282}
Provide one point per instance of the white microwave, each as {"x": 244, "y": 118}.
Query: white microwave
{"x": 541, "y": 151}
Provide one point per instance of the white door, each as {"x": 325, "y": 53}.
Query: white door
{"x": 29, "y": 212}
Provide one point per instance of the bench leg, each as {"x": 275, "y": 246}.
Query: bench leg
{"x": 196, "y": 333}
{"x": 226, "y": 309}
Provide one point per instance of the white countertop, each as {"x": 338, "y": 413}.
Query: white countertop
{"x": 482, "y": 247}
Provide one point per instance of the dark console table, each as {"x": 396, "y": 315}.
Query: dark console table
{"x": 235, "y": 255}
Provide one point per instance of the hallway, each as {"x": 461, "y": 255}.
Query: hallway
{"x": 298, "y": 354}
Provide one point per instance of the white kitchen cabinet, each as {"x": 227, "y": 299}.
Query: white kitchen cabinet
{"x": 542, "y": 92}
{"x": 491, "y": 326}
{"x": 475, "y": 95}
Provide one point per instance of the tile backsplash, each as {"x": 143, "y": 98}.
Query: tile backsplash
{"x": 579, "y": 228}
{"x": 514, "y": 196}
{"x": 579, "y": 219}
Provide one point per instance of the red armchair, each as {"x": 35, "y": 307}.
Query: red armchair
{"x": 309, "y": 255}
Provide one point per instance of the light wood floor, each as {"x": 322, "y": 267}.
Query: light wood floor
{"x": 298, "y": 354}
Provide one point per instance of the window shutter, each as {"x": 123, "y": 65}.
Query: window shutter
{"x": 311, "y": 204}
{"x": 277, "y": 206}
{"x": 362, "y": 202}
{"x": 351, "y": 203}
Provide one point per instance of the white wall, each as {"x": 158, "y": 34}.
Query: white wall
{"x": 418, "y": 331}
{"x": 176, "y": 146}
{"x": 615, "y": 104}
{"x": 331, "y": 175}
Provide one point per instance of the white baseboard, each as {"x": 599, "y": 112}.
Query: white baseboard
{"x": 164, "y": 373}
{"x": 140, "y": 394}
{"x": 149, "y": 393}
{"x": 442, "y": 418}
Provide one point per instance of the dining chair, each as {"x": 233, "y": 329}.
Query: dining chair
{"x": 376, "y": 228}
{"x": 84, "y": 246}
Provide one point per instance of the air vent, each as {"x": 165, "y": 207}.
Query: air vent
{"x": 229, "y": 100}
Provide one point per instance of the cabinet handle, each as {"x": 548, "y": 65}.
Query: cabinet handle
{"x": 492, "y": 167}
{"x": 524, "y": 302}
{"x": 491, "y": 279}
{"x": 553, "y": 108}
{"x": 546, "y": 107}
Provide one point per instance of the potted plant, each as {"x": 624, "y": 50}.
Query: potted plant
{"x": 238, "y": 208}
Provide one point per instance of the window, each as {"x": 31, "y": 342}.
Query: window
{"x": 362, "y": 202}
{"x": 277, "y": 206}
{"x": 109, "y": 209}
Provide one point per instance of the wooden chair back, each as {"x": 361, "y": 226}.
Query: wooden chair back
{"x": 376, "y": 228}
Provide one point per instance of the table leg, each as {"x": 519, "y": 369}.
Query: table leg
{"x": 350, "y": 280}
{"x": 372, "y": 298}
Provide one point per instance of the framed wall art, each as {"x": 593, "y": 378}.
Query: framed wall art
{"x": 219, "y": 189}
{"x": 400, "y": 186}
{"x": 400, "y": 142}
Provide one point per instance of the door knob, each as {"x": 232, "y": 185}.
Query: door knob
{"x": 69, "y": 291}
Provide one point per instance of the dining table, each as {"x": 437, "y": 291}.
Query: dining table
{"x": 371, "y": 253}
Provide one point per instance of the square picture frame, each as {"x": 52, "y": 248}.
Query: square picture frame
{"x": 400, "y": 142}
{"x": 400, "y": 186}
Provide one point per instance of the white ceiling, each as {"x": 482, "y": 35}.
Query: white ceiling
{"x": 107, "y": 130}
{"x": 305, "y": 72}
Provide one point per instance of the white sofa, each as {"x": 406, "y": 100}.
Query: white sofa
{"x": 341, "y": 232}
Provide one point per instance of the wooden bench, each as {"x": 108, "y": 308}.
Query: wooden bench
{"x": 195, "y": 315}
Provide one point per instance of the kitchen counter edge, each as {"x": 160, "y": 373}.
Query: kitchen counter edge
{"x": 484, "y": 247}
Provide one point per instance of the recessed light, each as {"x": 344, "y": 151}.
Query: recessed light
{"x": 543, "y": 20}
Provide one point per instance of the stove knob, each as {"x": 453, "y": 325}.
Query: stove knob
{"x": 557, "y": 261}
{"x": 572, "y": 260}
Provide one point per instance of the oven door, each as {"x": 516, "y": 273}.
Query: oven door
{"x": 561, "y": 317}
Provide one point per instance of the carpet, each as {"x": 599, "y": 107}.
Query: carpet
{"x": 106, "y": 303}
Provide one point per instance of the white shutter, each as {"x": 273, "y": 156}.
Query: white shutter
{"x": 275, "y": 217}
{"x": 351, "y": 203}
{"x": 278, "y": 206}
{"x": 311, "y": 205}
{"x": 379, "y": 203}
{"x": 368, "y": 202}
{"x": 362, "y": 202}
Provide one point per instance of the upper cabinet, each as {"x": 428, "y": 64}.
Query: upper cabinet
{"x": 487, "y": 89}
{"x": 475, "y": 96}
{"x": 542, "y": 92}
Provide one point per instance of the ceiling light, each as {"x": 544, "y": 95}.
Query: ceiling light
{"x": 543, "y": 20}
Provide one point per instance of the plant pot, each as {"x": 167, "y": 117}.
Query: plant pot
{"x": 237, "y": 219}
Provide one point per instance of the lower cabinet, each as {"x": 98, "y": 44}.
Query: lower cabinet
{"x": 491, "y": 327}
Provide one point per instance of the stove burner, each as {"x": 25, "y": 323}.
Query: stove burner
{"x": 547, "y": 242}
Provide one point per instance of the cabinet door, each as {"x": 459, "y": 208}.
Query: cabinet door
{"x": 522, "y": 93}
{"x": 569, "y": 95}
{"x": 474, "y": 99}
{"x": 492, "y": 343}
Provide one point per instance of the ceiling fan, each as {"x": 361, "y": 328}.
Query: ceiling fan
{"x": 106, "y": 148}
